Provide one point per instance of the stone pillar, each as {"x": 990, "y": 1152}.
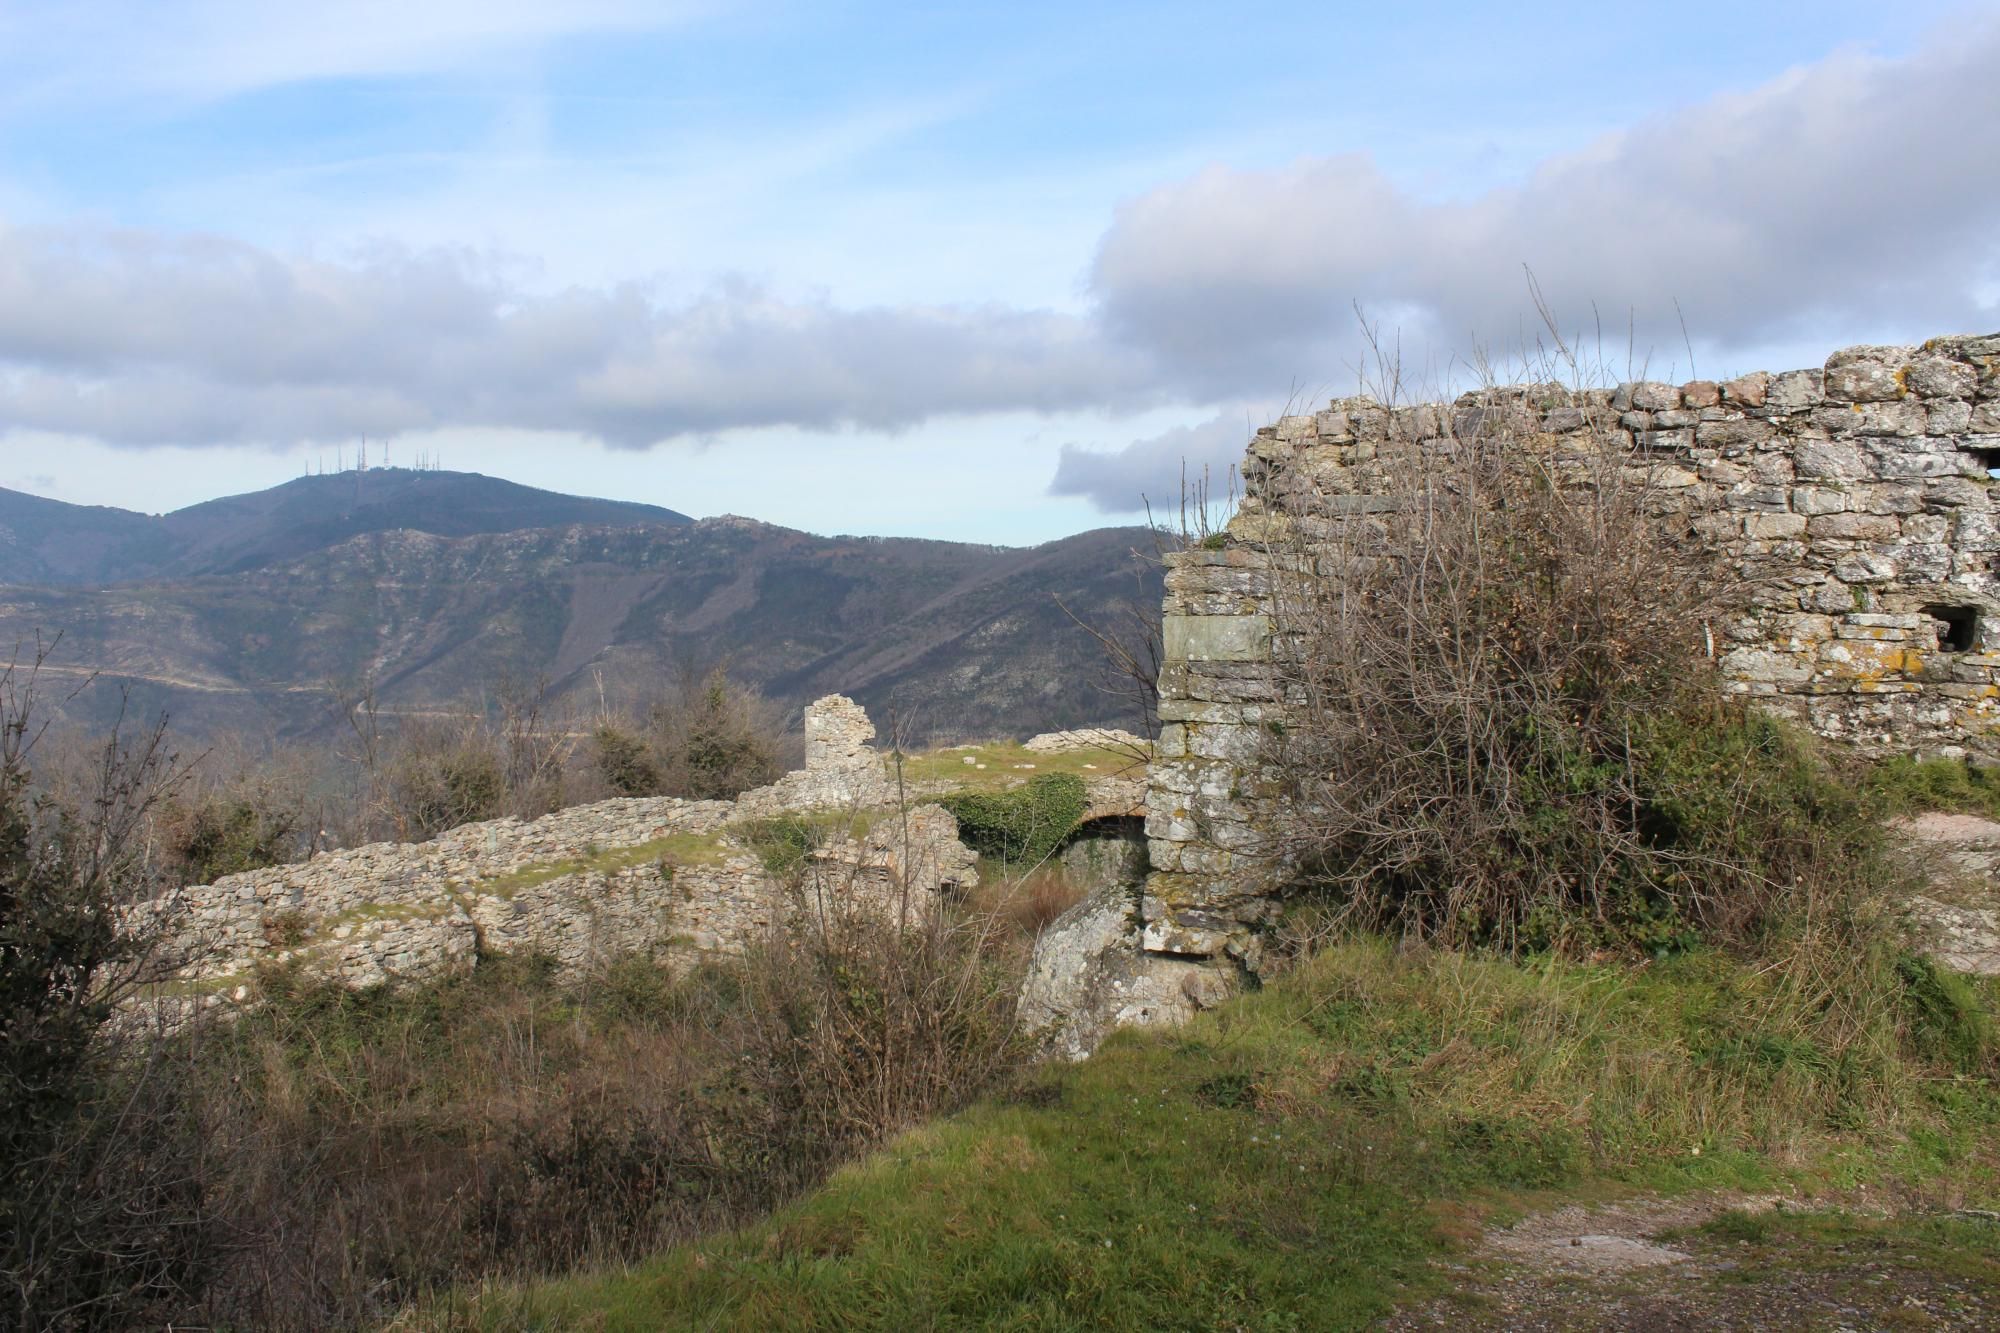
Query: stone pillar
{"x": 1209, "y": 793}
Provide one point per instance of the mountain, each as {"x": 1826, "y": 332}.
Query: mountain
{"x": 49, "y": 542}
{"x": 260, "y": 612}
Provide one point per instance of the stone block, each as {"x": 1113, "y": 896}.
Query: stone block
{"x": 1905, "y": 419}
{"x": 1947, "y": 416}
{"x": 1866, "y": 567}
{"x": 1855, "y": 527}
{"x": 1734, "y": 433}
{"x": 1819, "y": 500}
{"x": 1794, "y": 391}
{"x": 1664, "y": 441}
{"x": 1652, "y": 396}
{"x": 1832, "y": 460}
{"x": 1774, "y": 527}
{"x": 1864, "y": 382}
{"x": 1862, "y": 659}
{"x": 1751, "y": 496}
{"x": 1928, "y": 529}
{"x": 1216, "y": 638}
{"x": 1976, "y": 530}
{"x": 1747, "y": 390}
{"x": 1887, "y": 498}
{"x": 1940, "y": 377}
{"x": 1700, "y": 394}
{"x": 1237, "y": 745}
{"x": 1954, "y": 493}
{"x": 1761, "y": 664}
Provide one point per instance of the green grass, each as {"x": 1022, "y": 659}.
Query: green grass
{"x": 1907, "y": 786}
{"x": 1774, "y": 1243}
{"x": 1008, "y": 763}
{"x": 1296, "y": 1158}
{"x": 686, "y": 849}
{"x": 784, "y": 842}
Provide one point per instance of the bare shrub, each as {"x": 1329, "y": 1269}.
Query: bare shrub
{"x": 1501, "y": 722}
{"x": 1028, "y": 904}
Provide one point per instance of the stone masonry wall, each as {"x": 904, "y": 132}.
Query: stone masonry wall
{"x": 396, "y": 911}
{"x": 1852, "y": 505}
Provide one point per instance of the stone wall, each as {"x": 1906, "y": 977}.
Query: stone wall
{"x": 1852, "y": 507}
{"x": 679, "y": 879}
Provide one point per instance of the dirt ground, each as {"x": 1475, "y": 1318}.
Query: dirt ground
{"x": 1723, "y": 1262}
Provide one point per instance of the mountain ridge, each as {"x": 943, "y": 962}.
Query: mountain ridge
{"x": 54, "y": 542}
{"x": 234, "y": 627}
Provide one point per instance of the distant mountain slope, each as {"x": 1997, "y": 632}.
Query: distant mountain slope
{"x": 48, "y": 542}
{"x": 959, "y": 640}
{"x": 312, "y": 513}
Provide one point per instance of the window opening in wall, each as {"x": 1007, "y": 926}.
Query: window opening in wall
{"x": 1989, "y": 460}
{"x": 1957, "y": 627}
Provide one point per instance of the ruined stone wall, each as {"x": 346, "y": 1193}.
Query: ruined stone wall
{"x": 1852, "y": 506}
{"x": 675, "y": 878}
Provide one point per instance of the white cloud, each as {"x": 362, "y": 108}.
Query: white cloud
{"x": 1849, "y": 200}
{"x": 1159, "y": 470}
{"x": 137, "y": 338}
{"x": 1854, "y": 194}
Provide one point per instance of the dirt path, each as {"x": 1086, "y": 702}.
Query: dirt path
{"x": 1732, "y": 1262}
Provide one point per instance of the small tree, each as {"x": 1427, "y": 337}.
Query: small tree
{"x": 623, "y": 762}
{"x": 97, "y": 1211}
{"x": 714, "y": 740}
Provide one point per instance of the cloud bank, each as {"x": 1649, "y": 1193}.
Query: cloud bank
{"x": 1850, "y": 199}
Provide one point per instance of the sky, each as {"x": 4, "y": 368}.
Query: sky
{"x": 992, "y": 273}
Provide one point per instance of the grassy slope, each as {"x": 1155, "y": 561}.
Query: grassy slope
{"x": 1295, "y": 1159}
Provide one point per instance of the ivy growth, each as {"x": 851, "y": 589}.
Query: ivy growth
{"x": 1021, "y": 825}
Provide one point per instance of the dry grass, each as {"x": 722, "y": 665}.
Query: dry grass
{"x": 1027, "y": 903}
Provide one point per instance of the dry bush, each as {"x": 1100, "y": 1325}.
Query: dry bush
{"x": 1027, "y": 904}
{"x": 1502, "y": 724}
{"x": 340, "y": 1154}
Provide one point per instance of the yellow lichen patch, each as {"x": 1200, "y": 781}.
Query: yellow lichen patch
{"x": 685, "y": 849}
{"x": 1865, "y": 659}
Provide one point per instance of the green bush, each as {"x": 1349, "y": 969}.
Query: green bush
{"x": 714, "y": 740}
{"x": 783, "y": 842}
{"x": 624, "y": 762}
{"x": 460, "y": 781}
{"x": 1905, "y": 785}
{"x": 1021, "y": 825}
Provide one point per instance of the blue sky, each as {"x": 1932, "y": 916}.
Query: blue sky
{"x": 981, "y": 272}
